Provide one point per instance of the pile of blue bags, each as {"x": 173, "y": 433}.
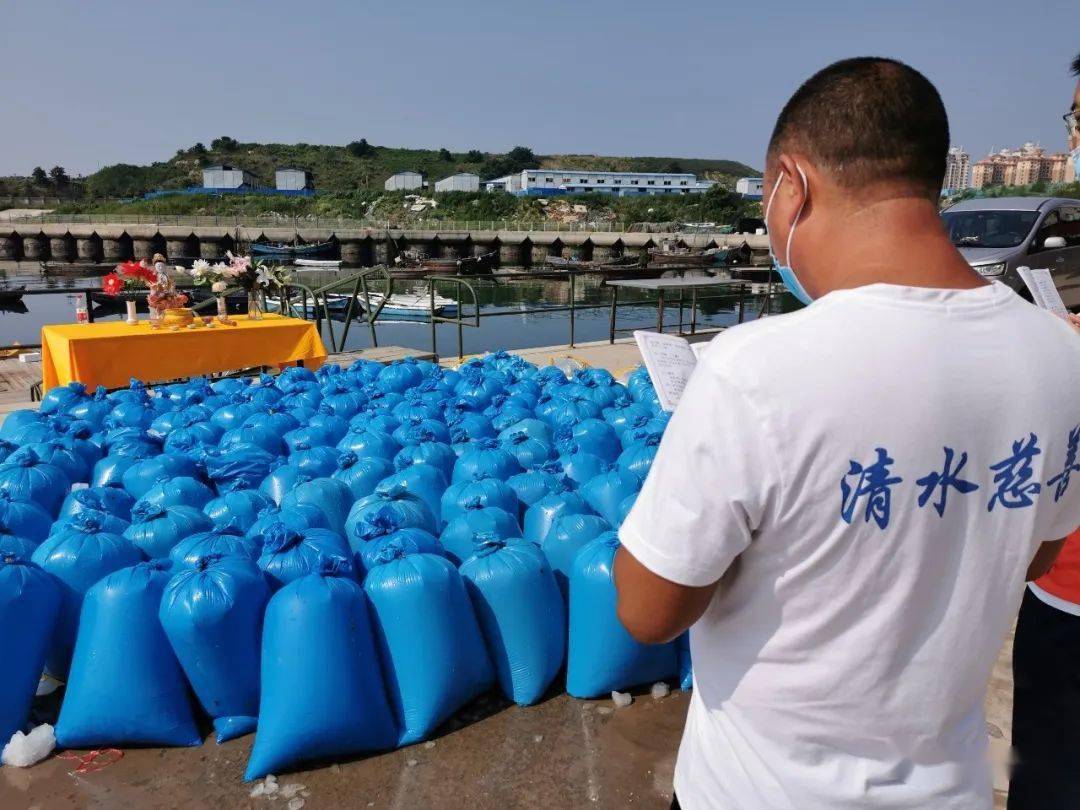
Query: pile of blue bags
{"x": 337, "y": 560}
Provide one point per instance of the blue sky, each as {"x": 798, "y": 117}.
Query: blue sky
{"x": 88, "y": 84}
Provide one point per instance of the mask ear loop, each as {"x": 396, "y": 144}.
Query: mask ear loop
{"x": 798, "y": 214}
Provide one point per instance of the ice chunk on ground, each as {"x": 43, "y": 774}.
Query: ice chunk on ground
{"x": 660, "y": 690}
{"x": 412, "y": 763}
{"x": 622, "y": 699}
{"x": 604, "y": 710}
{"x": 429, "y": 744}
{"x": 295, "y": 803}
{"x": 267, "y": 787}
{"x": 538, "y": 737}
{"x": 24, "y": 750}
{"x": 291, "y": 789}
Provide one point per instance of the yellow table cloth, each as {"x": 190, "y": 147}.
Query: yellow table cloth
{"x": 111, "y": 353}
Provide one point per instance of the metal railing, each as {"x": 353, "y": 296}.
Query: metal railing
{"x": 320, "y": 303}
{"x": 339, "y": 223}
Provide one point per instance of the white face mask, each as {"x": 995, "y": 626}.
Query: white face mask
{"x": 785, "y": 271}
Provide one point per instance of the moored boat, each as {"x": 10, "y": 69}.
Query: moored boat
{"x": 282, "y": 250}
{"x": 320, "y": 264}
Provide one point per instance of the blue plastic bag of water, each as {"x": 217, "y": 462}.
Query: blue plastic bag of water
{"x": 288, "y": 554}
{"x": 409, "y": 541}
{"x": 686, "y": 665}
{"x": 422, "y": 481}
{"x": 24, "y": 519}
{"x": 281, "y": 480}
{"x": 113, "y": 500}
{"x": 601, "y": 655}
{"x": 475, "y": 525}
{"x": 485, "y": 459}
{"x": 77, "y": 556}
{"x": 224, "y": 542}
{"x": 638, "y": 456}
{"x": 466, "y": 495}
{"x": 521, "y": 613}
{"x": 212, "y": 615}
{"x": 182, "y": 491}
{"x": 437, "y": 454}
{"x": 580, "y": 468}
{"x": 362, "y": 473}
{"x": 240, "y": 467}
{"x": 330, "y": 495}
{"x": 141, "y": 477}
{"x": 126, "y": 687}
{"x": 567, "y": 536}
{"x": 541, "y": 516}
{"x": 273, "y": 418}
{"x": 31, "y": 479}
{"x": 29, "y": 608}
{"x": 54, "y": 452}
{"x": 237, "y": 509}
{"x": 378, "y": 515}
{"x": 432, "y": 652}
{"x": 315, "y": 462}
{"x": 260, "y": 437}
{"x": 607, "y": 491}
{"x": 366, "y": 442}
{"x": 322, "y": 688}
{"x": 527, "y": 450}
{"x": 303, "y": 516}
{"x": 532, "y": 485}
{"x": 592, "y": 436}
{"x": 157, "y": 529}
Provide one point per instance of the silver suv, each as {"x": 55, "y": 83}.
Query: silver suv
{"x": 997, "y": 235}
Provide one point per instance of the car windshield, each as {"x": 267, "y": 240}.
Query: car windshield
{"x": 988, "y": 229}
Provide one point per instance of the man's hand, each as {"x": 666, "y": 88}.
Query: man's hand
{"x": 653, "y": 609}
{"x": 1074, "y": 319}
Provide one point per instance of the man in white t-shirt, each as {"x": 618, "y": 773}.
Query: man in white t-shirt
{"x": 849, "y": 497}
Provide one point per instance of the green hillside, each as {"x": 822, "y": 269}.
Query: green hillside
{"x": 342, "y": 169}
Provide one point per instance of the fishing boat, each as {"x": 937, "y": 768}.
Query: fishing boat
{"x": 580, "y": 264}
{"x": 336, "y": 304}
{"x": 415, "y": 259}
{"x": 319, "y": 264}
{"x": 281, "y": 250}
{"x": 671, "y": 252}
{"x": 57, "y": 268}
{"x": 9, "y": 295}
{"x": 411, "y": 306}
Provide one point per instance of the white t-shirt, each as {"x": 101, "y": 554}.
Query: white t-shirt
{"x": 871, "y": 476}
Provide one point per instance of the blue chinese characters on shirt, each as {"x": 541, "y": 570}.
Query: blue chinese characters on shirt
{"x": 866, "y": 489}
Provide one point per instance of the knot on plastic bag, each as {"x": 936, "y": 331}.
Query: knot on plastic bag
{"x": 486, "y": 443}
{"x": 325, "y": 409}
{"x": 145, "y": 511}
{"x": 278, "y": 537}
{"x": 86, "y": 522}
{"x": 27, "y": 457}
{"x": 519, "y": 438}
{"x": 653, "y": 439}
{"x": 347, "y": 459}
{"x": 80, "y": 430}
{"x": 207, "y": 560}
{"x": 135, "y": 384}
{"x": 393, "y": 550}
{"x": 458, "y": 434}
{"x": 268, "y": 512}
{"x": 473, "y": 502}
{"x": 486, "y": 543}
{"x": 100, "y": 393}
{"x": 331, "y": 566}
{"x": 418, "y": 434}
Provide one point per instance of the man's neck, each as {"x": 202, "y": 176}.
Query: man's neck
{"x": 894, "y": 241}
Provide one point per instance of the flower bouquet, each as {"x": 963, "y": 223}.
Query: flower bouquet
{"x": 257, "y": 277}
{"x": 126, "y": 280}
{"x": 218, "y": 277}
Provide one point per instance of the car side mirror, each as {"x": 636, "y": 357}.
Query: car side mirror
{"x": 1054, "y": 243}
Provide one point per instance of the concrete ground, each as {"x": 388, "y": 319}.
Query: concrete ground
{"x": 562, "y": 753}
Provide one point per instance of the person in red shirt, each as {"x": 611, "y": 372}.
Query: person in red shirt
{"x": 1046, "y": 661}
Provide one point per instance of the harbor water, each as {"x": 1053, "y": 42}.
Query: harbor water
{"x": 506, "y": 322}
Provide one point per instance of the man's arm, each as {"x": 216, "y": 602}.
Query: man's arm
{"x": 1044, "y": 558}
{"x": 655, "y": 610}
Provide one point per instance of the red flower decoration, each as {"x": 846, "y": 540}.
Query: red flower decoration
{"x": 131, "y": 269}
{"x": 112, "y": 284}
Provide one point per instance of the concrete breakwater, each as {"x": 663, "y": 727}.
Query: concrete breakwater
{"x": 59, "y": 241}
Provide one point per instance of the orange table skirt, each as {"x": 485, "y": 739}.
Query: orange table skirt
{"x": 113, "y": 352}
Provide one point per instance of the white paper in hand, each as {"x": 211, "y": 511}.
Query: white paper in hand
{"x": 670, "y": 361}
{"x": 1043, "y": 290}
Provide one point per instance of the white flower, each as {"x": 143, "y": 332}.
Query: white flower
{"x": 263, "y": 277}
{"x": 199, "y": 268}
{"x": 219, "y": 286}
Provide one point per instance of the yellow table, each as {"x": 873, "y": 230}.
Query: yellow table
{"x": 111, "y": 353}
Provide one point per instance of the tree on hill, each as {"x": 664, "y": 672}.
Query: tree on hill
{"x": 360, "y": 148}
{"x": 58, "y": 176}
{"x": 39, "y": 177}
{"x": 673, "y": 167}
{"x": 224, "y": 144}
{"x": 444, "y": 154}
{"x": 474, "y": 156}
{"x": 198, "y": 149}
{"x": 518, "y": 158}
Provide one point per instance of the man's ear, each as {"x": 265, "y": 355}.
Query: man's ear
{"x": 792, "y": 190}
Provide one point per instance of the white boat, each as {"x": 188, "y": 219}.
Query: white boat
{"x": 412, "y": 305}
{"x": 321, "y": 264}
